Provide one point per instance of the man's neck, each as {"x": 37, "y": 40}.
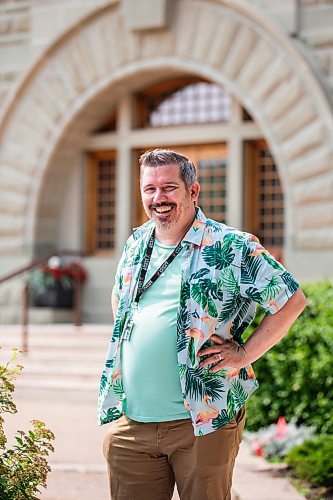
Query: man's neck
{"x": 173, "y": 235}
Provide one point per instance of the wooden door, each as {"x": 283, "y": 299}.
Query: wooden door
{"x": 263, "y": 197}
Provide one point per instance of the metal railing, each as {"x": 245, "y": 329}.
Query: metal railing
{"x": 38, "y": 261}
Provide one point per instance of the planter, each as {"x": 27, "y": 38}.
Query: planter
{"x": 56, "y": 296}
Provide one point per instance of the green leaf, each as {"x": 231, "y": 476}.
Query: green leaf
{"x": 229, "y": 281}
{"x": 198, "y": 384}
{"x": 272, "y": 262}
{"x": 271, "y": 290}
{"x": 221, "y": 420}
{"x": 238, "y": 393}
{"x": 191, "y": 351}
{"x": 215, "y": 256}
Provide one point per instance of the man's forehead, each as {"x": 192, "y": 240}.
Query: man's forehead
{"x": 162, "y": 173}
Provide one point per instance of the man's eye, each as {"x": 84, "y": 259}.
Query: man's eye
{"x": 149, "y": 190}
{"x": 170, "y": 188}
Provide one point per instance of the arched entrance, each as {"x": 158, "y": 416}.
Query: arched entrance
{"x": 59, "y": 101}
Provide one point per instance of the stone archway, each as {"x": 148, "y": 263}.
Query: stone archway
{"x": 229, "y": 43}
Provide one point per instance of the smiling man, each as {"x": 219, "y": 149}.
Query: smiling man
{"x": 178, "y": 372}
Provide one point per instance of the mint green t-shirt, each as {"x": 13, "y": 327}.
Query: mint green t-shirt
{"x": 149, "y": 359}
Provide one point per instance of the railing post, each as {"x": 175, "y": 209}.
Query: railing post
{"x": 77, "y": 297}
{"x": 25, "y": 318}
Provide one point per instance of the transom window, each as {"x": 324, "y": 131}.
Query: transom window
{"x": 182, "y": 102}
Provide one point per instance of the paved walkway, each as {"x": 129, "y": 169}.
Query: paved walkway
{"x": 56, "y": 388}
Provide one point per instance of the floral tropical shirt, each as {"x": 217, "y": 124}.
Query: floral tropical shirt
{"x": 225, "y": 273}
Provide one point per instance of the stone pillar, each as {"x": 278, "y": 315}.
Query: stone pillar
{"x": 124, "y": 174}
{"x": 234, "y": 170}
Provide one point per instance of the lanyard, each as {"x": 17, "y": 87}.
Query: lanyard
{"x": 159, "y": 271}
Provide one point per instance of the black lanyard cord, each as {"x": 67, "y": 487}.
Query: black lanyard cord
{"x": 142, "y": 288}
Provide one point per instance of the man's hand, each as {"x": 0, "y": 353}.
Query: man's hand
{"x": 224, "y": 353}
{"x": 270, "y": 331}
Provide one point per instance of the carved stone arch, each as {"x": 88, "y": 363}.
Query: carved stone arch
{"x": 227, "y": 42}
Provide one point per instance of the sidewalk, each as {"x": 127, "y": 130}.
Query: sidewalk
{"x": 78, "y": 468}
{"x": 60, "y": 388}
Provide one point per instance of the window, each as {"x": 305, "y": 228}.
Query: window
{"x": 101, "y": 202}
{"x": 183, "y": 101}
{"x": 264, "y": 201}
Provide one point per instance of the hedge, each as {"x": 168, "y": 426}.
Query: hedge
{"x": 296, "y": 376}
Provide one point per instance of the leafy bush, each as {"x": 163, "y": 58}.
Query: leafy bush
{"x": 313, "y": 461}
{"x": 23, "y": 468}
{"x": 296, "y": 379}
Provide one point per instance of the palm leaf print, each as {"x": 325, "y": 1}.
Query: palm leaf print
{"x": 221, "y": 420}
{"x": 214, "y": 256}
{"x": 184, "y": 294}
{"x": 253, "y": 294}
{"x": 229, "y": 281}
{"x": 272, "y": 262}
{"x": 271, "y": 290}
{"x": 118, "y": 388}
{"x": 109, "y": 363}
{"x": 111, "y": 415}
{"x": 249, "y": 268}
{"x": 230, "y": 403}
{"x": 199, "y": 274}
{"x": 201, "y": 292}
{"x": 243, "y": 375}
{"x": 198, "y": 383}
{"x": 191, "y": 351}
{"x": 238, "y": 393}
{"x": 216, "y": 228}
{"x": 229, "y": 309}
{"x": 235, "y": 240}
{"x": 289, "y": 281}
{"x": 182, "y": 370}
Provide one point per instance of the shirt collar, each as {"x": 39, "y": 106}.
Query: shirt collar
{"x": 193, "y": 235}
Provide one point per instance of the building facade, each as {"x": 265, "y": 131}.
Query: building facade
{"x": 243, "y": 87}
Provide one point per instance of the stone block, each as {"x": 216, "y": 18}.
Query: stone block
{"x": 239, "y": 51}
{"x": 223, "y": 39}
{"x": 11, "y": 203}
{"x": 312, "y": 164}
{"x": 285, "y": 96}
{"x": 145, "y": 14}
{"x": 308, "y": 138}
{"x": 260, "y": 57}
{"x": 297, "y": 117}
{"x": 276, "y": 72}
{"x": 320, "y": 239}
{"x": 314, "y": 215}
{"x": 314, "y": 189}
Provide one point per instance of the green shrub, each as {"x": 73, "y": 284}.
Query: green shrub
{"x": 296, "y": 378}
{"x": 23, "y": 468}
{"x": 313, "y": 461}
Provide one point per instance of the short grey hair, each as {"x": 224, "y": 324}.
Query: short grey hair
{"x": 159, "y": 157}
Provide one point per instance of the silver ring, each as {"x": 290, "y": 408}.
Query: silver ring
{"x": 219, "y": 356}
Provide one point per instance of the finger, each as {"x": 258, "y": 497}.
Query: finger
{"x": 215, "y": 358}
{"x": 209, "y": 350}
{"x": 217, "y": 339}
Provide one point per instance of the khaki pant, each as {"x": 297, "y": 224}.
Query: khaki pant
{"x": 146, "y": 459}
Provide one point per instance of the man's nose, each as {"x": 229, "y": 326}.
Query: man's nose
{"x": 159, "y": 196}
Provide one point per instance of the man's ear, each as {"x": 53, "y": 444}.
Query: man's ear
{"x": 195, "y": 190}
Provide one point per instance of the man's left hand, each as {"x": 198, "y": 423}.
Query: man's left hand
{"x": 224, "y": 353}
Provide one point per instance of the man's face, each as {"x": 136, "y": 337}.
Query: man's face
{"x": 165, "y": 198}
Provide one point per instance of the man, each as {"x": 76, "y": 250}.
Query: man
{"x": 178, "y": 373}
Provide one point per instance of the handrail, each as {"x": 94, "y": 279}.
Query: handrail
{"x": 42, "y": 259}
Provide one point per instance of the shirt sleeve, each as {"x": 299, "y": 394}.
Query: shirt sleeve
{"x": 118, "y": 285}
{"x": 263, "y": 279}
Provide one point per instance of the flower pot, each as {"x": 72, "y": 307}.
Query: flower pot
{"x": 56, "y": 296}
